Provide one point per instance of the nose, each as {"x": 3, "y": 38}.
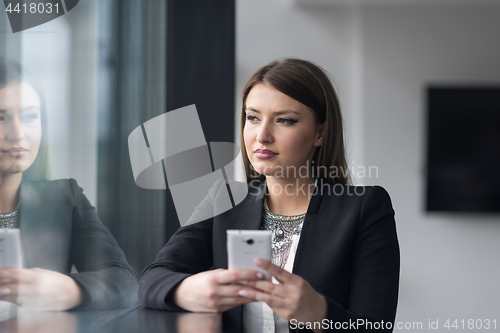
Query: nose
{"x": 265, "y": 134}
{"x": 15, "y": 131}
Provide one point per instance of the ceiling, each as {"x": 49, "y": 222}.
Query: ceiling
{"x": 336, "y": 3}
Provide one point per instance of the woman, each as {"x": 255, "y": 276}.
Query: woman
{"x": 59, "y": 227}
{"x": 335, "y": 249}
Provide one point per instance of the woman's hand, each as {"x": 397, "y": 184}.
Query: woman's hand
{"x": 293, "y": 298}
{"x": 39, "y": 289}
{"x": 215, "y": 290}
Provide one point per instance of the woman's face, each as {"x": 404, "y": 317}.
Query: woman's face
{"x": 20, "y": 127}
{"x": 280, "y": 133}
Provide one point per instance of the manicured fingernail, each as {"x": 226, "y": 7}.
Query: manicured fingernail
{"x": 243, "y": 293}
{"x": 4, "y": 291}
{"x": 260, "y": 275}
{"x": 258, "y": 262}
{"x": 243, "y": 282}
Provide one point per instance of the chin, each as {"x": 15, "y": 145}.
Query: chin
{"x": 267, "y": 170}
{"x": 19, "y": 167}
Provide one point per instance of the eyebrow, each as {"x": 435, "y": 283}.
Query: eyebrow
{"x": 23, "y": 109}
{"x": 29, "y": 107}
{"x": 275, "y": 112}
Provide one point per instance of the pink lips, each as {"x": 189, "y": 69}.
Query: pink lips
{"x": 15, "y": 152}
{"x": 264, "y": 154}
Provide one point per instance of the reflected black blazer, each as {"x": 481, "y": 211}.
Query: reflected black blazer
{"x": 60, "y": 228}
{"x": 348, "y": 251}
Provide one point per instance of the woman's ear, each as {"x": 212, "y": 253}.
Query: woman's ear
{"x": 320, "y": 133}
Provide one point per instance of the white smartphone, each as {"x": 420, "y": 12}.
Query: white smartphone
{"x": 10, "y": 249}
{"x": 243, "y": 246}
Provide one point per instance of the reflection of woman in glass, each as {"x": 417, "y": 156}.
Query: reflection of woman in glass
{"x": 59, "y": 227}
{"x": 335, "y": 249}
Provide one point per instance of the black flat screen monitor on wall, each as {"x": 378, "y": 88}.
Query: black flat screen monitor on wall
{"x": 463, "y": 149}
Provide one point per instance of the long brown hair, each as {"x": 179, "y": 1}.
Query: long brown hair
{"x": 11, "y": 73}
{"x": 308, "y": 84}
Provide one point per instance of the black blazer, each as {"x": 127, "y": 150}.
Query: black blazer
{"x": 348, "y": 251}
{"x": 60, "y": 228}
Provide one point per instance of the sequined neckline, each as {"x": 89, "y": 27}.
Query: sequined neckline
{"x": 282, "y": 217}
{"x": 10, "y": 220}
{"x": 283, "y": 228}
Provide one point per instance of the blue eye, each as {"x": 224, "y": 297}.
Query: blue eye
{"x": 29, "y": 117}
{"x": 287, "y": 121}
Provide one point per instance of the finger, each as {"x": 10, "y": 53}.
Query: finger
{"x": 233, "y": 301}
{"x": 223, "y": 303}
{"x": 279, "y": 273}
{"x": 9, "y": 292}
{"x": 5, "y": 281}
{"x": 10, "y": 289}
{"x": 9, "y": 274}
{"x": 229, "y": 290}
{"x": 273, "y": 301}
{"x": 10, "y": 298}
{"x": 269, "y": 288}
{"x": 15, "y": 275}
{"x": 235, "y": 275}
{"x": 5, "y": 276}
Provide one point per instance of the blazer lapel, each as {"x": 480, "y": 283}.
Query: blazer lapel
{"x": 308, "y": 239}
{"x": 253, "y": 211}
{"x": 248, "y": 214}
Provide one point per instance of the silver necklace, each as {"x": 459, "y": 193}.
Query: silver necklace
{"x": 283, "y": 228}
{"x": 10, "y": 220}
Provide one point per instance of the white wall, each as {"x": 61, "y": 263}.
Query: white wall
{"x": 381, "y": 58}
{"x": 270, "y": 30}
{"x": 449, "y": 262}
